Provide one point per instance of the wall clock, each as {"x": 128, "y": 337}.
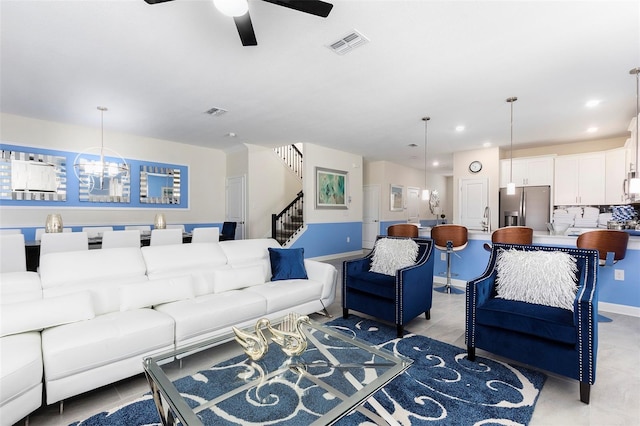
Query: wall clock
{"x": 475, "y": 166}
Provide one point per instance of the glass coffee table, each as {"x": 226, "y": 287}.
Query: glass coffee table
{"x": 335, "y": 375}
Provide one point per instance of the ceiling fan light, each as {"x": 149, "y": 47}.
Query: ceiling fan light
{"x": 232, "y": 8}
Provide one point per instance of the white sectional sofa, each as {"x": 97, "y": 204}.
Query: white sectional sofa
{"x": 100, "y": 312}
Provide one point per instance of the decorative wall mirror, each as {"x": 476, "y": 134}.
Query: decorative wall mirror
{"x": 159, "y": 185}
{"x": 32, "y": 177}
{"x": 108, "y": 182}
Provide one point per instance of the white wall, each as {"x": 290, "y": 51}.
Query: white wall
{"x": 490, "y": 159}
{"x": 318, "y": 156}
{"x": 207, "y": 171}
{"x": 271, "y": 187}
{"x": 385, "y": 173}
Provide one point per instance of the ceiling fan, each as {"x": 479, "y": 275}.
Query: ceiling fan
{"x": 239, "y": 10}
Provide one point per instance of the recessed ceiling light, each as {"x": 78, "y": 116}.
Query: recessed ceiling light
{"x": 435, "y": 164}
{"x": 459, "y": 128}
{"x": 231, "y": 135}
{"x": 592, "y": 129}
{"x": 592, "y": 103}
{"x": 486, "y": 144}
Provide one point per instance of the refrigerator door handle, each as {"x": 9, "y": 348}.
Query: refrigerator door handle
{"x": 523, "y": 208}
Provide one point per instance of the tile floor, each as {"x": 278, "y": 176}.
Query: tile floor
{"x": 615, "y": 398}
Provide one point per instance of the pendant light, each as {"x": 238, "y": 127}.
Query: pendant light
{"x": 88, "y": 170}
{"x": 232, "y": 8}
{"x": 511, "y": 186}
{"x": 634, "y": 182}
{"x": 425, "y": 192}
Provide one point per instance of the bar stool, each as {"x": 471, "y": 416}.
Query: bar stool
{"x": 611, "y": 246}
{"x": 403, "y": 230}
{"x": 449, "y": 238}
{"x": 511, "y": 235}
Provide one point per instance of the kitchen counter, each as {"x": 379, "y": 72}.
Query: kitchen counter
{"x": 544, "y": 238}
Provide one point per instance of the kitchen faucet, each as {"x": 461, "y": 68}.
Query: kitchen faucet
{"x": 486, "y": 221}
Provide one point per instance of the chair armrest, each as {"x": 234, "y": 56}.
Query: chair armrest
{"x": 356, "y": 266}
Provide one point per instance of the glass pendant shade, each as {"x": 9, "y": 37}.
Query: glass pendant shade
{"x": 232, "y": 8}
{"x": 426, "y": 194}
{"x": 511, "y": 188}
{"x": 634, "y": 186}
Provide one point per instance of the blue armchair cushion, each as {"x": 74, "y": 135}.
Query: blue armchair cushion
{"x": 373, "y": 283}
{"x": 287, "y": 264}
{"x": 547, "y": 322}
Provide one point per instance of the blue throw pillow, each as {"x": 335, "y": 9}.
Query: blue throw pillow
{"x": 287, "y": 264}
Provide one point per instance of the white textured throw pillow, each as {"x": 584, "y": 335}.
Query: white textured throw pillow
{"x": 541, "y": 277}
{"x": 391, "y": 254}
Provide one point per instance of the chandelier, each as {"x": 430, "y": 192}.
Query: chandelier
{"x": 101, "y": 172}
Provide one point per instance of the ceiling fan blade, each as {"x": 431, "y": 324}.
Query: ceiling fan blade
{"x": 245, "y": 30}
{"x": 156, "y": 1}
{"x": 314, "y": 7}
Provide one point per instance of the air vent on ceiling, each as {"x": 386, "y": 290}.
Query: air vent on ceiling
{"x": 215, "y": 111}
{"x": 348, "y": 43}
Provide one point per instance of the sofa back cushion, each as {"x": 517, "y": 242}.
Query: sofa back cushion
{"x": 155, "y": 292}
{"x": 198, "y": 260}
{"x": 238, "y": 278}
{"x": 13, "y": 257}
{"x": 250, "y": 252}
{"x": 19, "y": 287}
{"x": 102, "y": 272}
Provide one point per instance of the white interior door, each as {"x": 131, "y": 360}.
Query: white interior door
{"x": 413, "y": 204}
{"x": 474, "y": 197}
{"x": 236, "y": 202}
{"x": 371, "y": 215}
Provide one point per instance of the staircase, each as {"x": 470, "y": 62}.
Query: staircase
{"x": 286, "y": 224}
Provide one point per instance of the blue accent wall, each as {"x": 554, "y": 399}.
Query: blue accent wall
{"x": 73, "y": 192}
{"x": 323, "y": 239}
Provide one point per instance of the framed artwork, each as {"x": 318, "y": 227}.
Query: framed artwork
{"x": 397, "y": 200}
{"x": 331, "y": 187}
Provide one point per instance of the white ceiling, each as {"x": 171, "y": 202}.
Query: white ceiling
{"x": 159, "y": 67}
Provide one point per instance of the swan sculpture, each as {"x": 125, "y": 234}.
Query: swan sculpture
{"x": 255, "y": 345}
{"x": 292, "y": 342}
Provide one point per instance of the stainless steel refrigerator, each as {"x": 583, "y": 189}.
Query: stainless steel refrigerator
{"x": 530, "y": 206}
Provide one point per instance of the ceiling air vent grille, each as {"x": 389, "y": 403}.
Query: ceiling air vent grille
{"x": 215, "y": 111}
{"x": 348, "y": 43}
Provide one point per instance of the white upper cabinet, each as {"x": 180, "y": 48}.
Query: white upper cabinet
{"x": 580, "y": 179}
{"x": 527, "y": 171}
{"x": 616, "y": 174}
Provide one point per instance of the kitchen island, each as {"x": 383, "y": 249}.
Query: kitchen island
{"x": 617, "y": 296}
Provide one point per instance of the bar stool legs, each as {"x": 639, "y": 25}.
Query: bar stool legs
{"x": 448, "y": 288}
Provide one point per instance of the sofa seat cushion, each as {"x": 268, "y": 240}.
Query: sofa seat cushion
{"x": 204, "y": 314}
{"x": 81, "y": 346}
{"x": 374, "y": 283}
{"x": 19, "y": 287}
{"x": 547, "y": 322}
{"x": 284, "y": 294}
{"x": 21, "y": 364}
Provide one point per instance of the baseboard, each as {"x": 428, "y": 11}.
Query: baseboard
{"x": 339, "y": 255}
{"x": 632, "y": 311}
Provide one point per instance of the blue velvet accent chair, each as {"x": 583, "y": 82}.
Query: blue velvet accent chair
{"x": 397, "y": 299}
{"x": 545, "y": 337}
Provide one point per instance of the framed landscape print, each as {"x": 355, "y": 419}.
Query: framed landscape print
{"x": 397, "y": 200}
{"x": 331, "y": 187}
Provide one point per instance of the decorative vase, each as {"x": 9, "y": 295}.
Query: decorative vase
{"x": 53, "y": 223}
{"x": 159, "y": 222}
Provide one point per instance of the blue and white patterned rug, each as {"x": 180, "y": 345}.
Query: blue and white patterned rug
{"x": 440, "y": 387}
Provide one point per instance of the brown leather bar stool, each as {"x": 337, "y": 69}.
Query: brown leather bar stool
{"x": 403, "y": 230}
{"x": 449, "y": 238}
{"x": 511, "y": 235}
{"x": 611, "y": 246}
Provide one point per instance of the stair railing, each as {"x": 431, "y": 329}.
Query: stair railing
{"x": 289, "y": 221}
{"x": 292, "y": 157}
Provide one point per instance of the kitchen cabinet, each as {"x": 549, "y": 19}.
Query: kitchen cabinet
{"x": 527, "y": 171}
{"x": 580, "y": 179}
{"x": 615, "y": 175}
